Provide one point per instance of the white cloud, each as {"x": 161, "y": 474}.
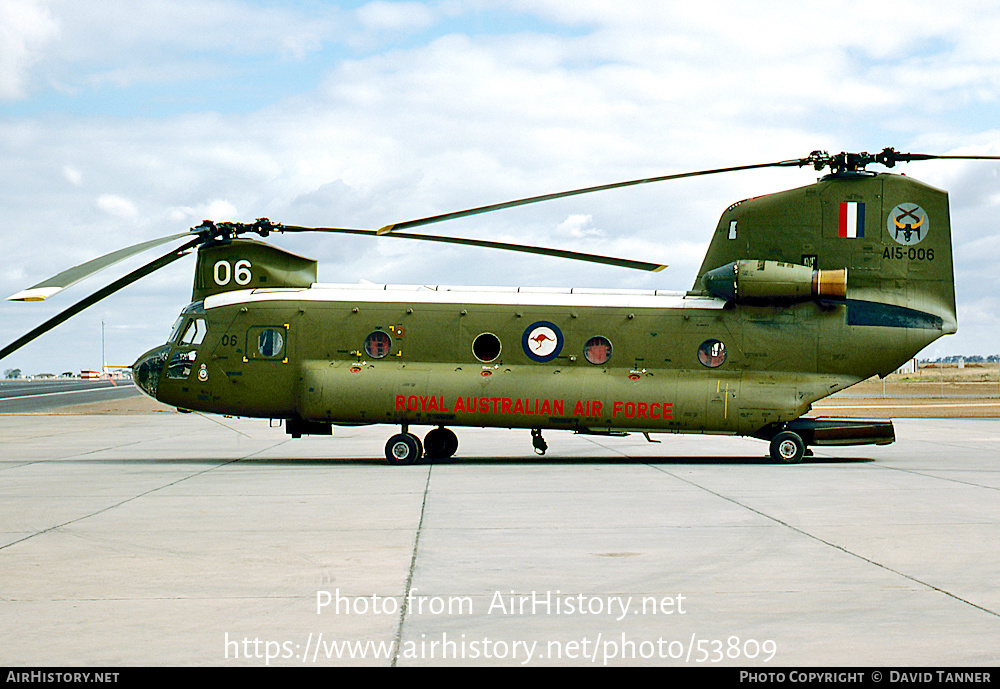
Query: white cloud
{"x": 72, "y": 175}
{"x": 222, "y": 211}
{"x": 117, "y": 206}
{"x": 578, "y": 226}
{"x": 119, "y": 44}
{"x": 395, "y": 16}
{"x": 26, "y": 28}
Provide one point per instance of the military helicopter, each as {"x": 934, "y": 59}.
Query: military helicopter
{"x": 802, "y": 293}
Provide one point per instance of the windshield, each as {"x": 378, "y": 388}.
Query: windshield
{"x": 176, "y": 330}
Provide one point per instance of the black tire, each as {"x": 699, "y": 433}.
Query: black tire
{"x": 787, "y": 447}
{"x": 440, "y": 443}
{"x": 403, "y": 449}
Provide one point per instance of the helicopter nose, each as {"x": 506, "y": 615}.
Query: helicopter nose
{"x": 147, "y": 369}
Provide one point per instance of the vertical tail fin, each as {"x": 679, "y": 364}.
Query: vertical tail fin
{"x": 891, "y": 233}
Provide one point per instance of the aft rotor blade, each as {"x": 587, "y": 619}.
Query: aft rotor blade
{"x": 543, "y": 251}
{"x": 853, "y": 162}
{"x": 54, "y": 285}
{"x": 97, "y": 296}
{"x": 909, "y": 157}
{"x": 576, "y": 192}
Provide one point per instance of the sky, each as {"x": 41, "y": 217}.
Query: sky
{"x": 124, "y": 121}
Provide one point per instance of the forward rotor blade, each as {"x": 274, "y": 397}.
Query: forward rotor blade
{"x": 54, "y": 285}
{"x": 575, "y": 192}
{"x": 558, "y": 253}
{"x": 97, "y": 296}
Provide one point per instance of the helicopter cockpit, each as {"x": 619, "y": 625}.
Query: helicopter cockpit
{"x": 178, "y": 355}
{"x": 187, "y": 334}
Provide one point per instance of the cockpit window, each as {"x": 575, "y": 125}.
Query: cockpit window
{"x": 148, "y": 369}
{"x": 176, "y": 330}
{"x": 181, "y": 363}
{"x": 195, "y": 332}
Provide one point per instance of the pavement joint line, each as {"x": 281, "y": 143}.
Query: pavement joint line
{"x": 398, "y": 640}
{"x": 108, "y": 508}
{"x": 593, "y": 440}
{"x": 941, "y": 478}
{"x": 209, "y": 418}
{"x": 829, "y": 544}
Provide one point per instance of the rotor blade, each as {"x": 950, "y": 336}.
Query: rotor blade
{"x": 558, "y": 253}
{"x": 575, "y": 192}
{"x": 54, "y": 285}
{"x": 97, "y": 296}
{"x": 909, "y": 157}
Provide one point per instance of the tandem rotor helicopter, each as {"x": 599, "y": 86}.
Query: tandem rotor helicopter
{"x": 802, "y": 293}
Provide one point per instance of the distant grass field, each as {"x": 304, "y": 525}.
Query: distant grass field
{"x": 934, "y": 391}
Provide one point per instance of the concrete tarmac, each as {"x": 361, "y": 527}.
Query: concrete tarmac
{"x": 185, "y": 540}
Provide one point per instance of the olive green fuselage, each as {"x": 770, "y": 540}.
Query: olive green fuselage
{"x": 774, "y": 361}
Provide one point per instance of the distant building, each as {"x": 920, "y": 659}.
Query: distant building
{"x": 910, "y": 366}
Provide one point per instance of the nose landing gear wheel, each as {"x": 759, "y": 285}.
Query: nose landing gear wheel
{"x": 402, "y": 449}
{"x": 787, "y": 447}
{"x": 440, "y": 443}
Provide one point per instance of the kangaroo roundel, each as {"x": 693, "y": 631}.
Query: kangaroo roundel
{"x": 542, "y": 341}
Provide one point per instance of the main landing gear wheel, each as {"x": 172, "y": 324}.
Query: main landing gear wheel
{"x": 440, "y": 443}
{"x": 787, "y": 447}
{"x": 403, "y": 448}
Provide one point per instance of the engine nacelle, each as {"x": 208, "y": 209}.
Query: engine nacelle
{"x": 755, "y": 281}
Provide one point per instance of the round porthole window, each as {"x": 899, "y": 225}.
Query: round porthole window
{"x": 270, "y": 342}
{"x": 378, "y": 344}
{"x": 597, "y": 350}
{"x": 712, "y": 353}
{"x": 486, "y": 347}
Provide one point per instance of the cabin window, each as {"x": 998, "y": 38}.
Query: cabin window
{"x": 712, "y": 353}
{"x": 486, "y": 347}
{"x": 378, "y": 344}
{"x": 270, "y": 343}
{"x": 266, "y": 343}
{"x": 597, "y": 350}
